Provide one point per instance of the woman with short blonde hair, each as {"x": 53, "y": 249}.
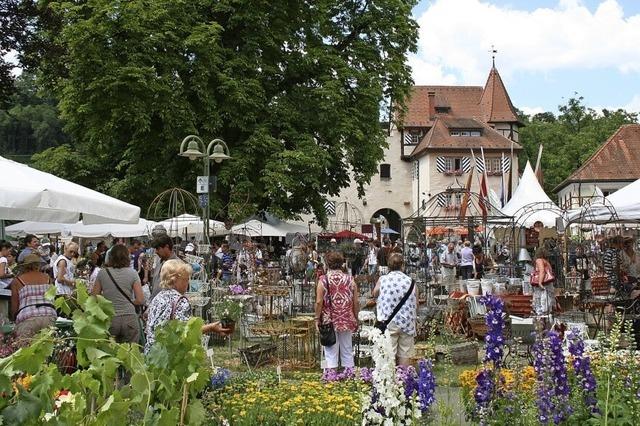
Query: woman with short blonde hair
{"x": 171, "y": 303}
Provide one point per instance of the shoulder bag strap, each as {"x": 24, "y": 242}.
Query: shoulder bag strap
{"x": 174, "y": 305}
{"x": 326, "y": 280}
{"x": 401, "y": 303}
{"x": 118, "y": 287}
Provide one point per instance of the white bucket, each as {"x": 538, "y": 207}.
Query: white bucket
{"x": 473, "y": 287}
{"x": 499, "y": 288}
{"x": 463, "y": 286}
{"x": 487, "y": 286}
{"x": 527, "y": 290}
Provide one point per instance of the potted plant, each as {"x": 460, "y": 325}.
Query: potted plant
{"x": 228, "y": 311}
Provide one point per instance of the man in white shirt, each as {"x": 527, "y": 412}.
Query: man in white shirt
{"x": 372, "y": 258}
{"x": 448, "y": 262}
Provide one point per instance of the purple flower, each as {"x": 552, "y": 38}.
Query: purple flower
{"x": 495, "y": 322}
{"x": 366, "y": 374}
{"x": 407, "y": 376}
{"x": 426, "y": 385}
{"x": 551, "y": 379}
{"x": 220, "y": 378}
{"x": 330, "y": 375}
{"x": 582, "y": 368}
{"x": 236, "y": 289}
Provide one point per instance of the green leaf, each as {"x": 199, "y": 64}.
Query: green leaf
{"x": 196, "y": 413}
{"x": 26, "y": 409}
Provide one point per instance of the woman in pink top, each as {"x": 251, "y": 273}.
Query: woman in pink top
{"x": 337, "y": 302}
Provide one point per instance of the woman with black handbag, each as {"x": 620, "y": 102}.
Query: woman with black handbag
{"x": 119, "y": 283}
{"x": 336, "y": 313}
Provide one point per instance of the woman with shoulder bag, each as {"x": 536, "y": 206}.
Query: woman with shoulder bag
{"x": 120, "y": 284}
{"x": 336, "y": 310}
{"x": 171, "y": 303}
{"x": 542, "y": 279}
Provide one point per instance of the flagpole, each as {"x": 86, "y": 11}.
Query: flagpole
{"x": 539, "y": 158}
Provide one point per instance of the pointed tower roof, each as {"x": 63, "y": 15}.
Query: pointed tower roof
{"x": 495, "y": 103}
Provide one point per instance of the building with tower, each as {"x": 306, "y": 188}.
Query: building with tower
{"x": 431, "y": 150}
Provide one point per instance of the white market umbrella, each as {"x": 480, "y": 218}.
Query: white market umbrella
{"x": 192, "y": 225}
{"x": 273, "y": 227}
{"x": 621, "y": 206}
{"x": 118, "y": 230}
{"x": 29, "y": 194}
{"x": 123, "y": 230}
{"x": 21, "y": 229}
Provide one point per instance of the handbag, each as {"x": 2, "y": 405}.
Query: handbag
{"x": 142, "y": 339}
{"x": 382, "y": 325}
{"x": 327, "y": 331}
{"x": 547, "y": 279}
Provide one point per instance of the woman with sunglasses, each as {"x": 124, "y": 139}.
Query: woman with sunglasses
{"x": 63, "y": 270}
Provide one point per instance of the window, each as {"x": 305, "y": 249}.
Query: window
{"x": 385, "y": 171}
{"x": 466, "y": 133}
{"x": 451, "y": 164}
{"x": 412, "y": 137}
{"x": 494, "y": 165}
{"x": 415, "y": 138}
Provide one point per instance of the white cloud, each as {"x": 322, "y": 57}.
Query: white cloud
{"x": 633, "y": 105}
{"x": 532, "y": 110}
{"x": 427, "y": 73}
{"x": 456, "y": 35}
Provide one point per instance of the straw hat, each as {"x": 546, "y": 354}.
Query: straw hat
{"x": 31, "y": 258}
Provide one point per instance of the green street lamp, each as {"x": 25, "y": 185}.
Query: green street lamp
{"x": 193, "y": 147}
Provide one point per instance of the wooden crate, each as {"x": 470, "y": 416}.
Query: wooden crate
{"x": 518, "y": 304}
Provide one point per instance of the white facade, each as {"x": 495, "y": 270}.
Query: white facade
{"x": 577, "y": 194}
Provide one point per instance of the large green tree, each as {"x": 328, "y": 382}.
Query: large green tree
{"x": 30, "y": 122}
{"x": 295, "y": 88}
{"x": 569, "y": 139}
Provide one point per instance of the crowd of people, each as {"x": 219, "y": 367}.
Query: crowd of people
{"x": 146, "y": 287}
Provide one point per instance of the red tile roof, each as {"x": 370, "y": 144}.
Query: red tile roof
{"x": 463, "y": 101}
{"x": 616, "y": 160}
{"x": 438, "y": 137}
{"x": 495, "y": 103}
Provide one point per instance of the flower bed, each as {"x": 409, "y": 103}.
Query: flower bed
{"x": 250, "y": 399}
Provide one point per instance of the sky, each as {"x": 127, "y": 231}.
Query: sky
{"x": 547, "y": 50}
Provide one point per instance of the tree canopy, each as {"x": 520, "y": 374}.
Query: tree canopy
{"x": 569, "y": 139}
{"x": 294, "y": 87}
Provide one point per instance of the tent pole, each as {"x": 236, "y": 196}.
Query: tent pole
{"x": 2, "y": 237}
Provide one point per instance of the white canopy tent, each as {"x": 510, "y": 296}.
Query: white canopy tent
{"x": 123, "y": 230}
{"x": 621, "y": 206}
{"x": 29, "y": 194}
{"x": 525, "y": 197}
{"x": 191, "y": 225}
{"x": 271, "y": 228}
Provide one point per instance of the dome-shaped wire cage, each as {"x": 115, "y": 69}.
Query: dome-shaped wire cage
{"x": 347, "y": 216}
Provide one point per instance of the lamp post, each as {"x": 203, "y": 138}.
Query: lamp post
{"x": 217, "y": 151}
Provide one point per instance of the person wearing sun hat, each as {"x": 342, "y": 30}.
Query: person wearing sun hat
{"x": 29, "y": 308}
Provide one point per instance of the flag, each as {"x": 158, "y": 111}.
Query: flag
{"x": 484, "y": 189}
{"x": 510, "y": 181}
{"x": 503, "y": 195}
{"x": 484, "y": 195}
{"x": 465, "y": 199}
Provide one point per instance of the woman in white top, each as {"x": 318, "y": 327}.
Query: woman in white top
{"x": 5, "y": 274}
{"x": 63, "y": 270}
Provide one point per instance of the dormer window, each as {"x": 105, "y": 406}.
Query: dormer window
{"x": 442, "y": 109}
{"x": 412, "y": 137}
{"x": 466, "y": 133}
